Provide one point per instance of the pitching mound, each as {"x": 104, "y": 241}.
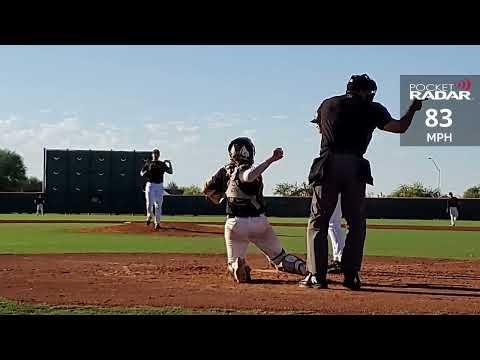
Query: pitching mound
{"x": 189, "y": 229}
{"x": 177, "y": 229}
{"x": 391, "y": 285}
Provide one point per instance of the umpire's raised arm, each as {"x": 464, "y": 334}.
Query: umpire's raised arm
{"x": 402, "y": 125}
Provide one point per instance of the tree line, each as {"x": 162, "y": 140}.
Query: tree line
{"x": 417, "y": 189}
{"x": 173, "y": 189}
{"x": 13, "y": 174}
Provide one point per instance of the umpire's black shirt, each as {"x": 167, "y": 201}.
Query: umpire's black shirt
{"x": 347, "y": 123}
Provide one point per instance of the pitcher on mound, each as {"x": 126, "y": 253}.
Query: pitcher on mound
{"x": 240, "y": 184}
{"x": 154, "y": 171}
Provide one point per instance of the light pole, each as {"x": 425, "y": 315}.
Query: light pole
{"x": 438, "y": 169}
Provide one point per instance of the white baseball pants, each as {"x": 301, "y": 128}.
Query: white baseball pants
{"x": 240, "y": 232}
{"x": 154, "y": 198}
{"x": 40, "y": 209}
{"x": 453, "y": 211}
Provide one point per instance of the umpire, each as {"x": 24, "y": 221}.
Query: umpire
{"x": 346, "y": 123}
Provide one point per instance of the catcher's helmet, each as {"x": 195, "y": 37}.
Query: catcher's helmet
{"x": 362, "y": 82}
{"x": 241, "y": 150}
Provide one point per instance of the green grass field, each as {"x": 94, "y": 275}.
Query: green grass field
{"x": 8, "y": 307}
{"x": 53, "y": 238}
{"x": 208, "y": 218}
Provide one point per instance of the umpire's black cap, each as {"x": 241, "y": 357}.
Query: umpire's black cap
{"x": 362, "y": 82}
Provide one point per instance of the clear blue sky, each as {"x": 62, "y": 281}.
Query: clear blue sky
{"x": 189, "y": 101}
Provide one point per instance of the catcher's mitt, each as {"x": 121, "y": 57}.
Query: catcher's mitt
{"x": 215, "y": 188}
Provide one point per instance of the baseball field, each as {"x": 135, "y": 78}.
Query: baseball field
{"x": 103, "y": 264}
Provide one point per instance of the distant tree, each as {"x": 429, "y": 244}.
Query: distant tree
{"x": 12, "y": 171}
{"x": 192, "y": 190}
{"x": 173, "y": 189}
{"x": 172, "y": 186}
{"x": 287, "y": 189}
{"x": 32, "y": 184}
{"x": 473, "y": 192}
{"x": 283, "y": 189}
{"x": 305, "y": 190}
{"x": 416, "y": 189}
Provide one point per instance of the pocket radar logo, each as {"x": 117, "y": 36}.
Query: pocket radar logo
{"x": 449, "y": 116}
{"x": 441, "y": 91}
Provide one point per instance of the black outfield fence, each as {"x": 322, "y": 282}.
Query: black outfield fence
{"x": 388, "y": 208}
{"x": 17, "y": 202}
{"x": 93, "y": 180}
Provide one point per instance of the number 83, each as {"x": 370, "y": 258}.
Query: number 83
{"x": 432, "y": 120}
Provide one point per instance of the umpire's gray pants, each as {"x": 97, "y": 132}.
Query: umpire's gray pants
{"x": 342, "y": 175}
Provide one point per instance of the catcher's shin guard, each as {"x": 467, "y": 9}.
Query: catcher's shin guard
{"x": 289, "y": 263}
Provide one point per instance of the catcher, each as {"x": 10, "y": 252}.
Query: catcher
{"x": 240, "y": 184}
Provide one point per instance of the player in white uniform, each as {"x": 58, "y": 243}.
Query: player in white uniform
{"x": 337, "y": 238}
{"x": 335, "y": 233}
{"x": 241, "y": 185}
{"x": 452, "y": 208}
{"x": 154, "y": 171}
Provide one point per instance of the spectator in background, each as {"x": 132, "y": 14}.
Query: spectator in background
{"x": 39, "y": 201}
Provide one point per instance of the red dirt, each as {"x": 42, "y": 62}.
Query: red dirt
{"x": 391, "y": 285}
{"x": 177, "y": 229}
{"x": 187, "y": 229}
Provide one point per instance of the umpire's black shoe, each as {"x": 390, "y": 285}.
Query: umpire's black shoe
{"x": 311, "y": 281}
{"x": 352, "y": 281}
{"x": 157, "y": 227}
{"x": 335, "y": 267}
{"x": 148, "y": 221}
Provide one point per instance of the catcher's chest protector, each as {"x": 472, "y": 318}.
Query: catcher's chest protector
{"x": 241, "y": 194}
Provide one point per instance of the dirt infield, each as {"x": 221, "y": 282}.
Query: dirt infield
{"x": 391, "y": 285}
{"x": 187, "y": 229}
